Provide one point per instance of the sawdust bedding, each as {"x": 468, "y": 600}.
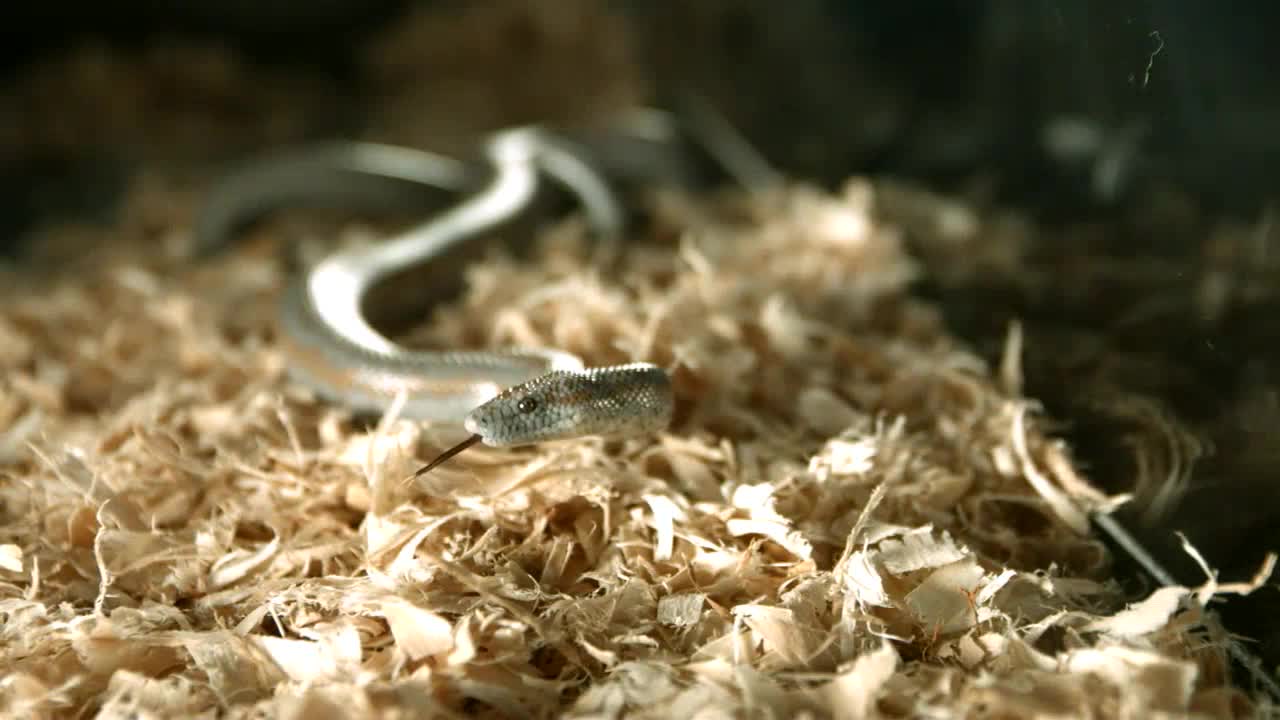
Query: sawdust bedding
{"x": 852, "y": 514}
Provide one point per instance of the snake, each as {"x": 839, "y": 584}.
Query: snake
{"x": 502, "y": 397}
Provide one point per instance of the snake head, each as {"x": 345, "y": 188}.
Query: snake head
{"x": 632, "y": 399}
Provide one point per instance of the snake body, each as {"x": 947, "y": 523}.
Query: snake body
{"x": 503, "y": 397}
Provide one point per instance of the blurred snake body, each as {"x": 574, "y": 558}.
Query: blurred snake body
{"x": 502, "y": 397}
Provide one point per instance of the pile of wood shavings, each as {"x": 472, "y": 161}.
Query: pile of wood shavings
{"x": 850, "y": 516}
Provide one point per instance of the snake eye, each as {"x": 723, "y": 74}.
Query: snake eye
{"x": 527, "y": 405}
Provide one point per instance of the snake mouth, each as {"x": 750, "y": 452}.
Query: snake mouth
{"x": 471, "y": 425}
{"x": 486, "y": 433}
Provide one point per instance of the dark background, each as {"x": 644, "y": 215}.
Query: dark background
{"x": 956, "y": 94}
{"x": 975, "y": 81}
